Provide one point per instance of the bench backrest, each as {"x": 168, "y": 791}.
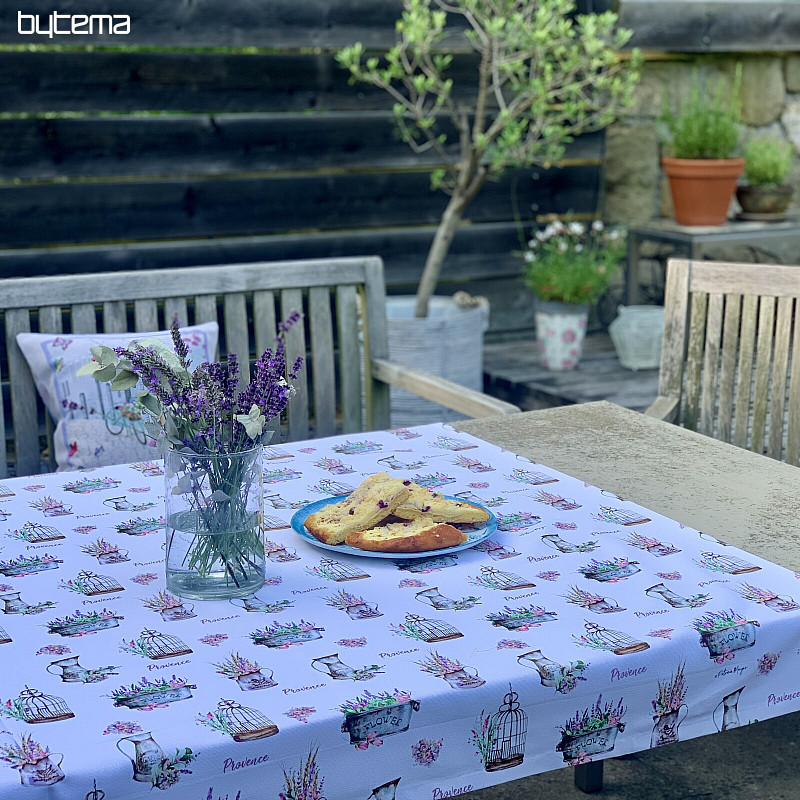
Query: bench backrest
{"x": 730, "y": 334}
{"x": 344, "y": 325}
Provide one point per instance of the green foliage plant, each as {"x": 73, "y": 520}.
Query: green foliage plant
{"x": 767, "y": 161}
{"x": 573, "y": 262}
{"x": 544, "y": 75}
{"x": 707, "y": 123}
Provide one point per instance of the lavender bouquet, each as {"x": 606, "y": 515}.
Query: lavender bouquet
{"x": 210, "y": 431}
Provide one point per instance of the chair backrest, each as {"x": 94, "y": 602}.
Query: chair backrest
{"x": 730, "y": 332}
{"x": 344, "y": 326}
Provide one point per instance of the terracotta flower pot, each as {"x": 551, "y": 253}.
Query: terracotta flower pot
{"x": 702, "y": 189}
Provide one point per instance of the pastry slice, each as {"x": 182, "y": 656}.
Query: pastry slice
{"x": 415, "y": 536}
{"x": 433, "y": 506}
{"x": 372, "y": 501}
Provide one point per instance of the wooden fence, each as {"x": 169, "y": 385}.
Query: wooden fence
{"x": 221, "y": 131}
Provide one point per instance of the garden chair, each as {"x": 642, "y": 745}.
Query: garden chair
{"x": 730, "y": 331}
{"x": 344, "y": 383}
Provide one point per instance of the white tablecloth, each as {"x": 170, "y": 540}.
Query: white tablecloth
{"x": 586, "y": 627}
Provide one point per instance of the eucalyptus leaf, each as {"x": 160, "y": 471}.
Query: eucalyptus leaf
{"x": 219, "y": 496}
{"x": 124, "y": 380}
{"x": 164, "y": 352}
{"x": 105, "y": 373}
{"x": 89, "y": 368}
{"x": 104, "y": 355}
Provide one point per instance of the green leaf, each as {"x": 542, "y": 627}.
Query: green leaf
{"x": 123, "y": 381}
{"x": 88, "y": 369}
{"x": 105, "y": 373}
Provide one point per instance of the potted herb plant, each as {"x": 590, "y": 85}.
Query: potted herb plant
{"x": 527, "y": 54}
{"x": 765, "y": 195}
{"x": 569, "y": 265}
{"x": 700, "y": 165}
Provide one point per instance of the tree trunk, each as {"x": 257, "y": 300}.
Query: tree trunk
{"x": 440, "y": 246}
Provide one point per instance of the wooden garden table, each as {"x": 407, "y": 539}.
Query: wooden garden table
{"x": 210, "y": 733}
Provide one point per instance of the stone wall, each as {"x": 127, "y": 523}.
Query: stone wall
{"x": 636, "y": 190}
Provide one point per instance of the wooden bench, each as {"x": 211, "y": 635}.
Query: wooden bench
{"x": 344, "y": 384}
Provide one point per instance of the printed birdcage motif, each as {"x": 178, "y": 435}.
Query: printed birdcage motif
{"x": 616, "y": 642}
{"x": 619, "y": 516}
{"x": 431, "y": 630}
{"x": 337, "y": 571}
{"x": 451, "y": 443}
{"x": 5, "y": 491}
{"x": 34, "y": 533}
{"x": 497, "y": 579}
{"x": 90, "y": 583}
{"x": 158, "y": 645}
{"x": 36, "y": 706}
{"x": 95, "y": 794}
{"x": 531, "y": 477}
{"x": 273, "y": 523}
{"x": 509, "y": 727}
{"x": 244, "y": 724}
{"x": 333, "y": 488}
{"x": 4, "y": 637}
{"x": 274, "y": 453}
{"x": 728, "y": 564}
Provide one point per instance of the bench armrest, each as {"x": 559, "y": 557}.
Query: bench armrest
{"x": 665, "y": 408}
{"x": 439, "y": 390}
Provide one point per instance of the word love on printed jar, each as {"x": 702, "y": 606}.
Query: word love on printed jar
{"x": 379, "y": 722}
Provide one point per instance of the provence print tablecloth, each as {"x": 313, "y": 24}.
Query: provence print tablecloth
{"x": 585, "y": 627}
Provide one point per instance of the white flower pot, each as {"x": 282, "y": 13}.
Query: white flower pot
{"x": 636, "y": 334}
{"x": 448, "y": 343}
{"x": 560, "y": 331}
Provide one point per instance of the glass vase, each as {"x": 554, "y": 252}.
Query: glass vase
{"x": 214, "y": 509}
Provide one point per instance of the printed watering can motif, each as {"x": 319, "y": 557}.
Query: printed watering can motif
{"x": 251, "y": 603}
{"x": 146, "y": 756}
{"x": 665, "y": 729}
{"x": 334, "y": 667}
{"x": 386, "y": 791}
{"x": 555, "y": 541}
{"x": 730, "y": 711}
{"x": 676, "y": 600}
{"x": 433, "y": 597}
{"x": 44, "y": 772}
{"x": 71, "y": 670}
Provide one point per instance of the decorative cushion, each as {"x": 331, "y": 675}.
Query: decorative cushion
{"x": 96, "y": 427}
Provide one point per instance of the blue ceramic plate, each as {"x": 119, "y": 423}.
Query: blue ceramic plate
{"x": 474, "y": 534}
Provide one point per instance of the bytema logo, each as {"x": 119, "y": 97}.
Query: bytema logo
{"x": 73, "y": 24}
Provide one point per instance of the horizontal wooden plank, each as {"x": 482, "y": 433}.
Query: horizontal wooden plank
{"x": 228, "y": 23}
{"x": 219, "y": 23}
{"x": 140, "y": 210}
{"x": 217, "y": 145}
{"x": 700, "y": 26}
{"x": 481, "y": 260}
{"x": 121, "y": 82}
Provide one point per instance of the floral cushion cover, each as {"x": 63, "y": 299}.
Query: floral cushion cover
{"x": 96, "y": 427}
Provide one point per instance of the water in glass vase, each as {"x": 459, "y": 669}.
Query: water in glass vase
{"x": 215, "y": 546}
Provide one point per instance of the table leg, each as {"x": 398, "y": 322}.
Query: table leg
{"x": 632, "y": 272}
{"x": 589, "y": 776}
